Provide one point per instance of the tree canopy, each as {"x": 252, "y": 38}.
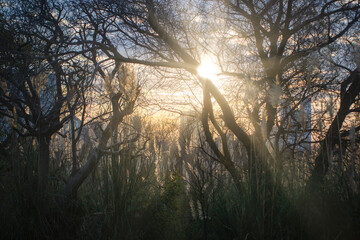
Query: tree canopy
{"x": 262, "y": 116}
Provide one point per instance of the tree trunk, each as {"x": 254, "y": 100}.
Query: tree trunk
{"x": 73, "y": 147}
{"x": 333, "y": 137}
{"x": 44, "y": 159}
{"x": 76, "y": 181}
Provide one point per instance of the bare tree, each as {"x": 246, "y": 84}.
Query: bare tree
{"x": 36, "y": 64}
{"x": 280, "y": 37}
{"x": 122, "y": 98}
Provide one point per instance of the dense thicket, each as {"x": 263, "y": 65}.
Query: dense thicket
{"x": 266, "y": 149}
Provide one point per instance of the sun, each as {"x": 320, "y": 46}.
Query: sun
{"x": 208, "y": 68}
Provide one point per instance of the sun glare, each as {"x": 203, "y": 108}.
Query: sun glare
{"x": 208, "y": 69}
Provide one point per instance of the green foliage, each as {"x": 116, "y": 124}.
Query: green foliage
{"x": 173, "y": 215}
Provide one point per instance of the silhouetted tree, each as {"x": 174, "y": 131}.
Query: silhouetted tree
{"x": 37, "y": 64}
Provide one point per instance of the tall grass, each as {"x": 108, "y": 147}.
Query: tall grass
{"x": 125, "y": 199}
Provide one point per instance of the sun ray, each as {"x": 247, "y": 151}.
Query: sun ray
{"x": 208, "y": 68}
